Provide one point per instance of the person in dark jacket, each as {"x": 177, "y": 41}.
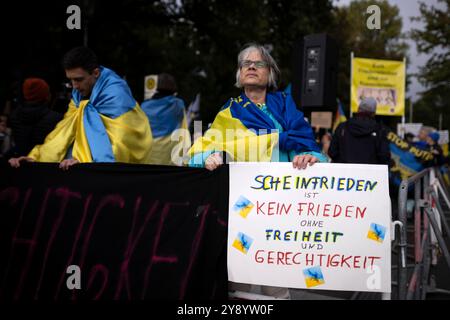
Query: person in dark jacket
{"x": 361, "y": 139}
{"x": 33, "y": 120}
{"x": 434, "y": 147}
{"x": 5, "y": 136}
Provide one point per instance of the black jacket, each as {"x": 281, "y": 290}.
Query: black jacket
{"x": 360, "y": 140}
{"x": 30, "y": 124}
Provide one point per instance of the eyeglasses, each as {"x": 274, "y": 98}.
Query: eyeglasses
{"x": 258, "y": 64}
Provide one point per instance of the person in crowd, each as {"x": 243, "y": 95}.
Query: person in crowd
{"x": 33, "y": 120}
{"x": 270, "y": 127}
{"x": 261, "y": 120}
{"x": 409, "y": 137}
{"x": 325, "y": 142}
{"x": 5, "y": 136}
{"x": 13, "y": 97}
{"x": 62, "y": 98}
{"x": 166, "y": 113}
{"x": 422, "y": 137}
{"x": 361, "y": 139}
{"x": 434, "y": 147}
{"x": 104, "y": 123}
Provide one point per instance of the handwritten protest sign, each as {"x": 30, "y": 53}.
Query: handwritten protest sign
{"x": 326, "y": 227}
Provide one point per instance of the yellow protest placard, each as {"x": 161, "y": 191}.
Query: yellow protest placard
{"x": 383, "y": 80}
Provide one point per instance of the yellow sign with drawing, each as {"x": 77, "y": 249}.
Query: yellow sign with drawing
{"x": 383, "y": 80}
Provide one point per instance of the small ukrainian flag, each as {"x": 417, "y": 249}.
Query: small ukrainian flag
{"x": 242, "y": 242}
{"x": 313, "y": 277}
{"x": 243, "y": 206}
{"x": 339, "y": 116}
{"x": 376, "y": 232}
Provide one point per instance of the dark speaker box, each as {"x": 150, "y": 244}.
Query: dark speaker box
{"x": 314, "y": 79}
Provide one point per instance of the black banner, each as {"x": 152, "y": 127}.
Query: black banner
{"x": 126, "y": 232}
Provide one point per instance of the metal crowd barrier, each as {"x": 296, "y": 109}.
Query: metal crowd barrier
{"x": 429, "y": 222}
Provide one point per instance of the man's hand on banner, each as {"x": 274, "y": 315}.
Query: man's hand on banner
{"x": 15, "y": 162}
{"x": 65, "y": 164}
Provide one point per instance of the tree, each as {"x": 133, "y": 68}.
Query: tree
{"x": 222, "y": 27}
{"x": 195, "y": 40}
{"x": 434, "y": 39}
{"x": 198, "y": 41}
{"x": 350, "y": 29}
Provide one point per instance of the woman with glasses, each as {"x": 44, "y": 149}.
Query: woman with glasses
{"x": 259, "y": 125}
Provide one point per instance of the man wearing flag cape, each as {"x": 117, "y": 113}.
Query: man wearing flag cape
{"x": 104, "y": 123}
{"x": 261, "y": 124}
{"x": 167, "y": 117}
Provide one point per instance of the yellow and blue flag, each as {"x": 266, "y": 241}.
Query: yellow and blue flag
{"x": 243, "y": 206}
{"x": 242, "y": 242}
{"x": 408, "y": 159}
{"x": 340, "y": 116}
{"x": 313, "y": 277}
{"x": 247, "y": 133}
{"x": 166, "y": 115}
{"x": 109, "y": 127}
{"x": 376, "y": 232}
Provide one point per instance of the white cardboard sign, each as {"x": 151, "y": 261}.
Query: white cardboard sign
{"x": 325, "y": 227}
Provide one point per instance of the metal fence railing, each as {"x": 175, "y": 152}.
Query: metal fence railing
{"x": 429, "y": 223}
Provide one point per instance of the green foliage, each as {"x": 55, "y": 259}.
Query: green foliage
{"x": 195, "y": 40}
{"x": 434, "y": 39}
{"x": 353, "y": 35}
{"x": 198, "y": 41}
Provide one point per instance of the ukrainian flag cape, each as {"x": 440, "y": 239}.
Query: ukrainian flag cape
{"x": 340, "y": 116}
{"x": 246, "y": 133}
{"x": 166, "y": 115}
{"x": 109, "y": 127}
